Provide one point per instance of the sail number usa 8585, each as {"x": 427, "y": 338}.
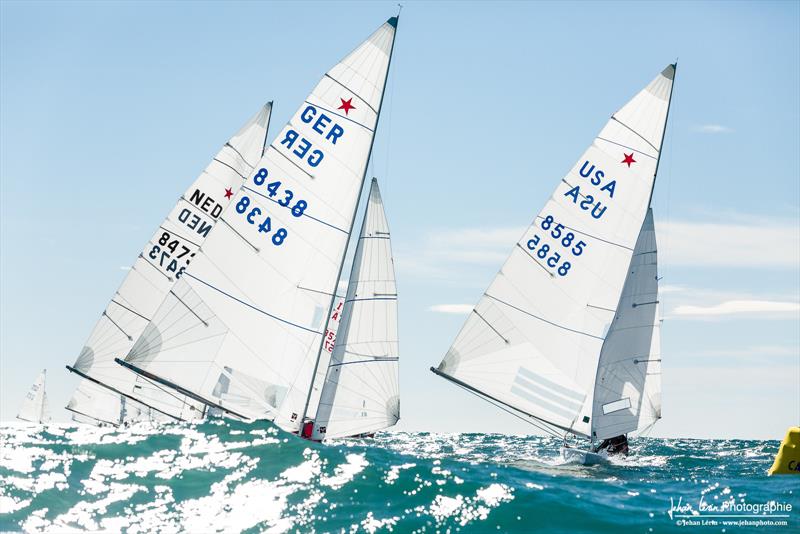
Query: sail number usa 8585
{"x": 273, "y": 189}
{"x": 564, "y": 241}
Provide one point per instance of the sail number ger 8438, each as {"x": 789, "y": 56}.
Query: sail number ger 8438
{"x": 273, "y": 188}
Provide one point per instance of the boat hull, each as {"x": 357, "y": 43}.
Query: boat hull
{"x": 583, "y": 457}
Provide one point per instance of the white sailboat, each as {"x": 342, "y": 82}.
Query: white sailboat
{"x": 158, "y": 267}
{"x": 34, "y": 407}
{"x": 361, "y": 392}
{"x": 567, "y": 335}
{"x": 252, "y": 310}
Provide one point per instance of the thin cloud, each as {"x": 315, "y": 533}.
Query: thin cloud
{"x": 455, "y": 309}
{"x": 124, "y": 268}
{"x": 758, "y": 352}
{"x": 741, "y": 241}
{"x": 739, "y": 307}
{"x": 764, "y": 242}
{"x": 712, "y": 128}
{"x": 441, "y": 251}
{"x": 671, "y": 288}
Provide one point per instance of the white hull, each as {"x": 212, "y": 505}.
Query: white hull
{"x": 583, "y": 457}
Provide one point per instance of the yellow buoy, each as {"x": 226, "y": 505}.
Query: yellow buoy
{"x": 787, "y": 461}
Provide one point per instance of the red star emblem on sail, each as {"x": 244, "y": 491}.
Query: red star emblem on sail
{"x": 228, "y": 193}
{"x": 347, "y": 105}
{"x": 628, "y": 159}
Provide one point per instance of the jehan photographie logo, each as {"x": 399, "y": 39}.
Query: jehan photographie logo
{"x": 729, "y": 513}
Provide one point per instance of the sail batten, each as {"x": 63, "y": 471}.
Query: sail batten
{"x": 534, "y": 339}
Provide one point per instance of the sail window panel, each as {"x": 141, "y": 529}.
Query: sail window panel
{"x": 621, "y": 404}
{"x": 325, "y": 355}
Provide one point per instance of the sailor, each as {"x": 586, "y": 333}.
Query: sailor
{"x": 614, "y": 446}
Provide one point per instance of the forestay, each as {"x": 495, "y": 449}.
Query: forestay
{"x": 34, "y": 407}
{"x": 628, "y": 386}
{"x": 534, "y": 339}
{"x": 361, "y": 390}
{"x": 252, "y": 308}
{"x": 161, "y": 262}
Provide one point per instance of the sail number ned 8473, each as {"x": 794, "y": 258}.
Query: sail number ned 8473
{"x": 273, "y": 189}
{"x": 564, "y": 241}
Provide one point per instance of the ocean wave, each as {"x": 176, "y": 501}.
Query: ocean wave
{"x": 229, "y": 476}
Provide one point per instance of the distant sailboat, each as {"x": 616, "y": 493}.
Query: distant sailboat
{"x": 34, "y": 407}
{"x": 244, "y": 330}
{"x": 109, "y": 393}
{"x": 567, "y": 335}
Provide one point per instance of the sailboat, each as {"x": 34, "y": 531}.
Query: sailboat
{"x": 34, "y": 407}
{"x": 566, "y": 337}
{"x": 243, "y": 331}
{"x": 108, "y": 393}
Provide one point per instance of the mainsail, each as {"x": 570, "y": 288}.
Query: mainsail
{"x": 533, "y": 341}
{"x": 34, "y": 406}
{"x": 361, "y": 390}
{"x": 627, "y": 395}
{"x": 252, "y": 309}
{"x": 160, "y": 264}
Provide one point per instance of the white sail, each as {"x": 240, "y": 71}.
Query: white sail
{"x": 628, "y": 385}
{"x": 251, "y": 310}
{"x": 34, "y": 406}
{"x": 534, "y": 339}
{"x": 105, "y": 405}
{"x": 361, "y": 391}
{"x": 158, "y": 267}
{"x": 325, "y": 355}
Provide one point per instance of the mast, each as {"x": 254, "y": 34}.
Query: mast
{"x": 392, "y": 21}
{"x": 43, "y": 404}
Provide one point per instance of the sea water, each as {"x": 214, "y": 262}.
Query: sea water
{"x": 229, "y": 477}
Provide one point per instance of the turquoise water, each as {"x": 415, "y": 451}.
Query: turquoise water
{"x": 227, "y": 476}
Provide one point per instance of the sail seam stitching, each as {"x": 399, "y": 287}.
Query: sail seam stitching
{"x": 253, "y": 307}
{"x": 231, "y": 168}
{"x": 543, "y": 319}
{"x": 303, "y": 215}
{"x": 340, "y": 115}
{"x": 353, "y": 92}
{"x": 626, "y": 146}
{"x": 637, "y": 133}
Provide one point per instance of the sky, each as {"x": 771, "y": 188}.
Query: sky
{"x": 109, "y": 110}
